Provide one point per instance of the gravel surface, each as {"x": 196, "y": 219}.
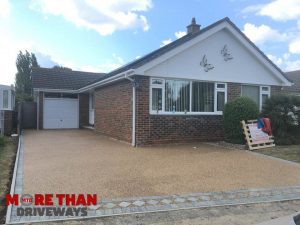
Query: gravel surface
{"x": 82, "y": 161}
{"x": 225, "y": 215}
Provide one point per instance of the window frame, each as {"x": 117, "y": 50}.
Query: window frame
{"x": 162, "y": 87}
{"x": 263, "y": 92}
{"x": 158, "y": 86}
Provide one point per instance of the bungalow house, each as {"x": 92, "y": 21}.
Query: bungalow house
{"x": 174, "y": 94}
{"x": 7, "y": 105}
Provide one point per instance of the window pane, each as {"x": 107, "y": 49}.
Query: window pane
{"x": 265, "y": 88}
{"x": 52, "y": 95}
{"x": 68, "y": 95}
{"x": 177, "y": 96}
{"x": 220, "y": 85}
{"x": 251, "y": 92}
{"x": 220, "y": 101}
{"x": 203, "y": 97}
{"x": 5, "y": 99}
{"x": 264, "y": 98}
{"x": 157, "y": 81}
{"x": 156, "y": 99}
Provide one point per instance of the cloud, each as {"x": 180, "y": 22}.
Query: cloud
{"x": 294, "y": 46}
{"x": 4, "y": 9}
{"x": 104, "y": 67}
{"x": 263, "y": 33}
{"x": 177, "y": 34}
{"x": 45, "y": 60}
{"x": 165, "y": 42}
{"x": 105, "y": 17}
{"x": 285, "y": 62}
{"x": 279, "y": 10}
{"x": 180, "y": 34}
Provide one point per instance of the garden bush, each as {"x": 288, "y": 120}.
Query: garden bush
{"x": 242, "y": 108}
{"x": 284, "y": 112}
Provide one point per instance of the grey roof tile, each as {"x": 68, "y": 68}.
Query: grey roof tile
{"x": 294, "y": 76}
{"x": 62, "y": 79}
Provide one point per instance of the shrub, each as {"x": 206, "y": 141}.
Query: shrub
{"x": 284, "y": 112}
{"x": 242, "y": 108}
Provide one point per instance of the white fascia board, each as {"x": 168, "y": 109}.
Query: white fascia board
{"x": 108, "y": 80}
{"x": 55, "y": 90}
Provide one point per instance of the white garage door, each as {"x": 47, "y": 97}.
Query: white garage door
{"x": 60, "y": 113}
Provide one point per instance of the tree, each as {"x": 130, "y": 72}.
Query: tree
{"x": 23, "y": 84}
{"x": 61, "y": 68}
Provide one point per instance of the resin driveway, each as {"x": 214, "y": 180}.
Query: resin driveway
{"x": 82, "y": 161}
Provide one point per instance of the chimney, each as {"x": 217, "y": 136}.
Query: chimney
{"x": 193, "y": 27}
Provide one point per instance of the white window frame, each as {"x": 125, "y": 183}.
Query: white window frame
{"x": 159, "y": 86}
{"x": 224, "y": 90}
{"x": 263, "y": 92}
{"x": 162, "y": 87}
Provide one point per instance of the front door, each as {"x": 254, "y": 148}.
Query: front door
{"x": 91, "y": 109}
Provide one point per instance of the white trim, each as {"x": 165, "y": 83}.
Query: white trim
{"x": 56, "y": 90}
{"x": 162, "y": 87}
{"x": 262, "y": 92}
{"x": 108, "y": 80}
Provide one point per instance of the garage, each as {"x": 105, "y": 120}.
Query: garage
{"x": 61, "y": 112}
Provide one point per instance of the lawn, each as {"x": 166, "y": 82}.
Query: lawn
{"x": 289, "y": 152}
{"x": 7, "y": 158}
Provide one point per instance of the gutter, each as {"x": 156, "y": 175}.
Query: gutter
{"x": 108, "y": 80}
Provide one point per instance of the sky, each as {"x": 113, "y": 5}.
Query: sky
{"x": 101, "y": 35}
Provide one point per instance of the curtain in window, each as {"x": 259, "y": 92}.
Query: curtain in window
{"x": 203, "y": 97}
{"x": 177, "y": 96}
{"x": 251, "y": 92}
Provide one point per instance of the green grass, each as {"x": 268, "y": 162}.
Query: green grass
{"x": 7, "y": 157}
{"x": 289, "y": 152}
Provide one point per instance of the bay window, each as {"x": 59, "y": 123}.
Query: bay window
{"x": 173, "y": 96}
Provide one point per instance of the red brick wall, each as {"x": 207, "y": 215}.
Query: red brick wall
{"x": 152, "y": 129}
{"x": 113, "y": 110}
{"x": 233, "y": 91}
{"x": 83, "y": 109}
{"x": 276, "y": 90}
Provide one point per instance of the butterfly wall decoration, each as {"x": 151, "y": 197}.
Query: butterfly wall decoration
{"x": 225, "y": 53}
{"x": 206, "y": 66}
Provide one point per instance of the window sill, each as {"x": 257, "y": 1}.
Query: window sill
{"x": 186, "y": 114}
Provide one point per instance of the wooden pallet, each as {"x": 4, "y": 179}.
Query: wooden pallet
{"x": 257, "y": 145}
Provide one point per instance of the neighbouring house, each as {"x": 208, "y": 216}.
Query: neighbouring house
{"x": 174, "y": 94}
{"x": 294, "y": 76}
{"x": 7, "y": 105}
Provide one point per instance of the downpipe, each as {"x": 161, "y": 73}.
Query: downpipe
{"x": 134, "y": 85}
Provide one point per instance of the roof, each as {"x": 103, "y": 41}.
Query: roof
{"x": 155, "y": 54}
{"x": 294, "y": 76}
{"x": 55, "y": 78}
